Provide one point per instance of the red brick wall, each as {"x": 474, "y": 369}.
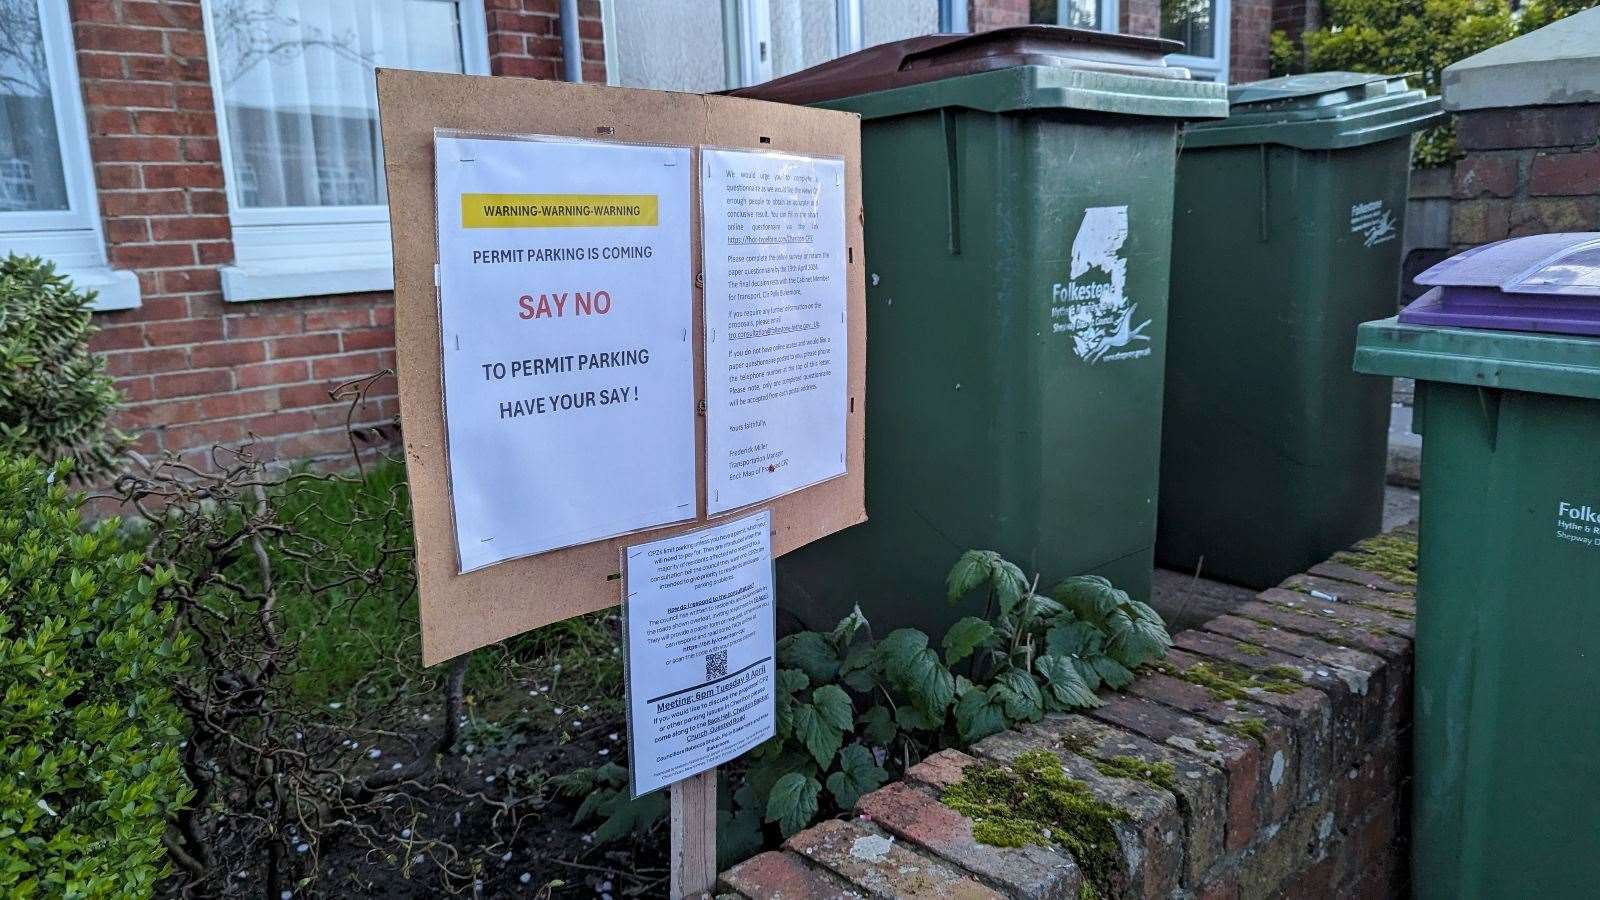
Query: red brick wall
{"x": 1250, "y": 41}
{"x": 1294, "y": 794}
{"x": 194, "y": 370}
{"x": 987, "y": 15}
{"x": 1140, "y": 17}
{"x": 1526, "y": 171}
{"x": 525, "y": 38}
{"x": 1294, "y": 16}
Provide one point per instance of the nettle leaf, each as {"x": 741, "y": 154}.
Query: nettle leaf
{"x": 1089, "y": 596}
{"x": 1043, "y": 609}
{"x": 738, "y": 836}
{"x": 765, "y": 773}
{"x": 978, "y": 715}
{"x": 1063, "y": 683}
{"x": 1074, "y": 638}
{"x": 856, "y": 669}
{"x": 911, "y": 665}
{"x": 969, "y": 571}
{"x": 1086, "y": 671}
{"x": 858, "y": 774}
{"x": 820, "y": 737}
{"x": 1018, "y": 695}
{"x": 877, "y": 726}
{"x": 833, "y": 704}
{"x": 910, "y": 718}
{"x": 811, "y": 653}
{"x": 1135, "y": 641}
{"x": 789, "y": 682}
{"x": 964, "y": 637}
{"x": 634, "y": 817}
{"x": 1114, "y": 674}
{"x": 793, "y": 802}
{"x": 1010, "y": 585}
{"x": 845, "y": 631}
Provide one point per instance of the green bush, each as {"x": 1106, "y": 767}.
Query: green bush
{"x": 1413, "y": 36}
{"x": 89, "y": 770}
{"x": 55, "y": 396}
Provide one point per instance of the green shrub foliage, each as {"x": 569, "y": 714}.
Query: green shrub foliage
{"x": 55, "y": 396}
{"x": 1413, "y": 36}
{"x": 89, "y": 769}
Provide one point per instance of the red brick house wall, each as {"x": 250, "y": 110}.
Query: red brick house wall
{"x": 1250, "y": 41}
{"x": 195, "y": 370}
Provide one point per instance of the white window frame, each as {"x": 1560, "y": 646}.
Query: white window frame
{"x": 1215, "y": 66}
{"x": 70, "y": 238}
{"x": 747, "y": 32}
{"x": 1110, "y": 12}
{"x": 306, "y": 251}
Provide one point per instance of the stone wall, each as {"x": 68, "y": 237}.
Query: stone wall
{"x": 1300, "y": 793}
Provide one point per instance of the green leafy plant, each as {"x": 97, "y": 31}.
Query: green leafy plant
{"x": 55, "y": 396}
{"x": 1413, "y": 36}
{"x": 853, "y": 711}
{"x": 89, "y": 732}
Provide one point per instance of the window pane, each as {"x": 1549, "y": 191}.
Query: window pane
{"x": 804, "y": 33}
{"x": 672, "y": 45}
{"x": 1072, "y": 13}
{"x": 1190, "y": 21}
{"x": 883, "y": 21}
{"x": 298, "y": 92}
{"x": 31, "y": 177}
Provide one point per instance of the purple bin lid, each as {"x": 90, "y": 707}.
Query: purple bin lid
{"x": 1542, "y": 282}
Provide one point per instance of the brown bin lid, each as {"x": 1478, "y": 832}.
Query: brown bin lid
{"x": 937, "y": 56}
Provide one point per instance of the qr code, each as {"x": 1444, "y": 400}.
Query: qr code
{"x": 717, "y": 663}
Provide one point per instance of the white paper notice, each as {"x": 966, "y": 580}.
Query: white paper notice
{"x": 565, "y": 307}
{"x": 776, "y": 375}
{"x": 699, "y": 621}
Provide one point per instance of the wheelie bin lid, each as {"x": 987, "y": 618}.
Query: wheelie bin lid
{"x": 1522, "y": 314}
{"x": 1319, "y": 111}
{"x": 1005, "y": 70}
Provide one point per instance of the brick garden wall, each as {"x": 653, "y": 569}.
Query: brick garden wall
{"x": 193, "y": 369}
{"x": 1312, "y": 806}
{"x": 1526, "y": 171}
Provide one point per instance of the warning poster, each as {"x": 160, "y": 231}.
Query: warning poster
{"x": 565, "y": 312}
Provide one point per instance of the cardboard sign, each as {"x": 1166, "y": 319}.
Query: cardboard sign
{"x": 776, "y": 336}
{"x": 700, "y": 628}
{"x": 565, "y": 303}
{"x": 463, "y": 610}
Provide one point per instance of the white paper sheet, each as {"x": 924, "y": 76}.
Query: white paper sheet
{"x": 565, "y": 308}
{"x": 699, "y": 617}
{"x": 777, "y": 388}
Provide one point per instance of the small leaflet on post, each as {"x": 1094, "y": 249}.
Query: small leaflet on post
{"x": 699, "y": 622}
{"x": 565, "y": 310}
{"x": 776, "y": 341}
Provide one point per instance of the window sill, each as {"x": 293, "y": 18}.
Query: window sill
{"x": 114, "y": 289}
{"x": 287, "y": 279}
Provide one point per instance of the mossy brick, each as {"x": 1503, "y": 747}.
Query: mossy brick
{"x": 1372, "y": 680}
{"x": 879, "y": 866}
{"x": 1366, "y": 617}
{"x": 917, "y": 817}
{"x": 1343, "y": 702}
{"x": 1286, "y": 849}
{"x": 1151, "y": 838}
{"x": 1239, "y": 758}
{"x": 1327, "y": 624}
{"x": 1369, "y": 783}
{"x": 942, "y": 769}
{"x": 1345, "y": 573}
{"x": 1282, "y": 763}
{"x": 1201, "y": 789}
{"x": 779, "y": 874}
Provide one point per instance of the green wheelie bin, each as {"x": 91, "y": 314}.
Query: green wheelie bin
{"x": 1288, "y": 235}
{"x": 1506, "y": 353}
{"x": 1018, "y": 200}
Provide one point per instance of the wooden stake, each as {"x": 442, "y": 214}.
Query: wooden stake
{"x": 694, "y": 835}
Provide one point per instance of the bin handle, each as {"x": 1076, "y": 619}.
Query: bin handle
{"x": 1261, "y": 213}
{"x": 947, "y": 119}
